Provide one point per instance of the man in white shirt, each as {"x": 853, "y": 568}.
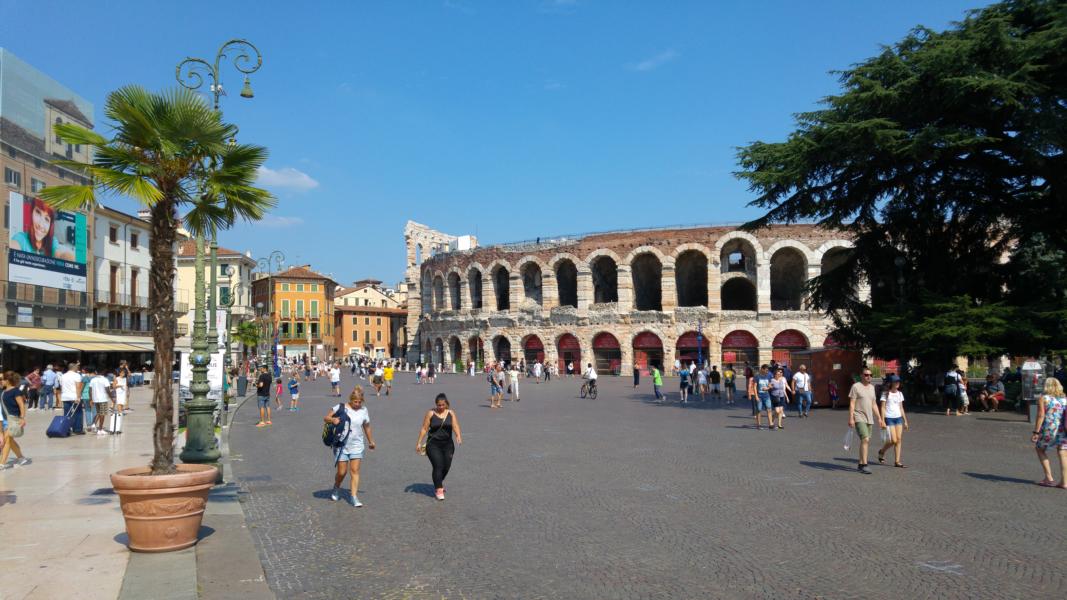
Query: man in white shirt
{"x": 100, "y": 393}
{"x": 70, "y": 393}
{"x": 590, "y": 374}
{"x": 335, "y": 380}
{"x": 802, "y": 391}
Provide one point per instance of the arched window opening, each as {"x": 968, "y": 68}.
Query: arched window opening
{"x": 691, "y": 278}
{"x": 455, "y": 301}
{"x": 605, "y": 280}
{"x": 567, "y": 283}
{"x": 647, "y": 275}
{"x": 738, "y": 294}
{"x": 474, "y": 282}
{"x": 531, "y": 282}
{"x": 502, "y": 288}
{"x": 789, "y": 272}
{"x": 438, "y": 293}
{"x": 738, "y": 256}
{"x": 502, "y": 349}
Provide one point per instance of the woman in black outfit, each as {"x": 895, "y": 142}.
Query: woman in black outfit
{"x": 435, "y": 439}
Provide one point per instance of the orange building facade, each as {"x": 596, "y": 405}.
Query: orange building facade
{"x": 297, "y": 304}
{"x": 376, "y": 332}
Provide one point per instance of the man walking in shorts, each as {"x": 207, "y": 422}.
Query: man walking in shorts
{"x": 716, "y": 379}
{"x": 263, "y": 396}
{"x": 862, "y": 410}
{"x": 387, "y": 375}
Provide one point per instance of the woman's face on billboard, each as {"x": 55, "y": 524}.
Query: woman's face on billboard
{"x": 42, "y": 224}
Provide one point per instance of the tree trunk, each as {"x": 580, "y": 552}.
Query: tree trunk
{"x": 161, "y": 301}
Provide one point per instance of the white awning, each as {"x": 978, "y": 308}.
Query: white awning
{"x": 40, "y": 346}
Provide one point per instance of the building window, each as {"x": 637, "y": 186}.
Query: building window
{"x": 113, "y": 234}
{"x": 314, "y": 309}
{"x": 12, "y": 177}
{"x": 299, "y": 329}
{"x": 366, "y": 337}
{"x": 379, "y": 334}
{"x": 61, "y": 323}
{"x": 59, "y": 140}
{"x": 37, "y": 163}
{"x": 366, "y": 320}
{"x": 77, "y": 148}
{"x": 299, "y": 287}
{"x": 383, "y": 303}
{"x": 134, "y": 241}
{"x": 355, "y": 336}
{"x": 285, "y": 287}
{"x": 285, "y": 309}
{"x": 355, "y": 320}
{"x": 379, "y": 321}
{"x": 314, "y": 287}
{"x": 285, "y": 329}
{"x": 62, "y": 174}
{"x": 300, "y": 309}
{"x": 36, "y": 185}
{"x": 314, "y": 329}
{"x": 222, "y": 269}
{"x": 224, "y": 294}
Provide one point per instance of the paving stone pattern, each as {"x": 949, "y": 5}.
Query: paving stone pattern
{"x": 558, "y": 497}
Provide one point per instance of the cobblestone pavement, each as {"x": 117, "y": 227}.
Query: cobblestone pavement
{"x": 557, "y": 497}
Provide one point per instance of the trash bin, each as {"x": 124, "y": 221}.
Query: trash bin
{"x": 242, "y": 386}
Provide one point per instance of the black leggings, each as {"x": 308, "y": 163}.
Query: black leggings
{"x": 440, "y": 455}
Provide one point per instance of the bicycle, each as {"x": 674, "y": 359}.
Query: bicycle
{"x": 589, "y": 389}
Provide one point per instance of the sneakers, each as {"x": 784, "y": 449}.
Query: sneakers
{"x": 261, "y": 424}
{"x": 335, "y": 495}
{"x": 863, "y": 469}
{"x": 22, "y": 462}
{"x": 269, "y": 423}
{"x": 355, "y": 502}
{"x": 439, "y": 493}
{"x": 100, "y": 432}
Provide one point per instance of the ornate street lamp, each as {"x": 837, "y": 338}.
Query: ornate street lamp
{"x": 268, "y": 263}
{"x": 200, "y": 445}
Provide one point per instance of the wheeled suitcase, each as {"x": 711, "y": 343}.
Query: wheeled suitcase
{"x": 115, "y": 420}
{"x": 60, "y": 425}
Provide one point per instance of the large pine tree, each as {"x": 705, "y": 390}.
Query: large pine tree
{"x": 943, "y": 158}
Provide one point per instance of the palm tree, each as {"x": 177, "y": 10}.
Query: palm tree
{"x": 248, "y": 334}
{"x": 167, "y": 151}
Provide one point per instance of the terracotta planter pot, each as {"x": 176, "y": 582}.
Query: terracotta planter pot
{"x": 163, "y": 512}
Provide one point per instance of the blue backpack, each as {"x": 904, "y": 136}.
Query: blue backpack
{"x": 335, "y": 436}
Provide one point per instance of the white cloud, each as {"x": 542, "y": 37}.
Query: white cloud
{"x": 654, "y": 62}
{"x": 277, "y": 221}
{"x": 286, "y": 177}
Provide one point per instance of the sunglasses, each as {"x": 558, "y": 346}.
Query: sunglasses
{"x": 866, "y": 374}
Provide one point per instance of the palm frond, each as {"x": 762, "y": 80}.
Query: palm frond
{"x": 76, "y": 134}
{"x": 69, "y": 197}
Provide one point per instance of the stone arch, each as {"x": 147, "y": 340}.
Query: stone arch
{"x": 789, "y": 274}
{"x": 566, "y": 271}
{"x": 475, "y": 284}
{"x": 502, "y": 350}
{"x": 438, "y": 352}
{"x": 477, "y": 349}
{"x": 691, "y": 275}
{"x": 738, "y": 293}
{"x": 455, "y": 350}
{"x": 568, "y": 349}
{"x": 663, "y": 259}
{"x": 646, "y": 270}
{"x": 500, "y": 278}
{"x": 533, "y": 348}
{"x": 438, "y": 291}
{"x": 738, "y": 349}
{"x": 694, "y": 347}
{"x": 607, "y": 353}
{"x": 455, "y": 300}
{"x": 604, "y": 267}
{"x": 786, "y": 340}
{"x": 738, "y": 241}
{"x": 832, "y": 255}
{"x": 531, "y": 271}
{"x": 648, "y": 346}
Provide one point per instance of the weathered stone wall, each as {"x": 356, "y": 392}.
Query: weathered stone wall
{"x": 535, "y": 308}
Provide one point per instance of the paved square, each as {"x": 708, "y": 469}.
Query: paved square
{"x": 558, "y": 497}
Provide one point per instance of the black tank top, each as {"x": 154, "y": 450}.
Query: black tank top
{"x": 440, "y": 429}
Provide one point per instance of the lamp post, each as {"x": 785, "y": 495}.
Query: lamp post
{"x": 262, "y": 330}
{"x": 200, "y": 445}
{"x": 276, "y": 258}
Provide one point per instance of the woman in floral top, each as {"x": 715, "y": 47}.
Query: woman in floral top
{"x": 1050, "y": 432}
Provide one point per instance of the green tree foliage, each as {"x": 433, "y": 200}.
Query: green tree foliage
{"x": 167, "y": 151}
{"x": 944, "y": 153}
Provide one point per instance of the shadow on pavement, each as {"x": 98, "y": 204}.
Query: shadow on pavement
{"x": 7, "y": 497}
{"x": 992, "y": 477}
{"x": 823, "y": 466}
{"x": 854, "y": 461}
{"x": 426, "y": 489}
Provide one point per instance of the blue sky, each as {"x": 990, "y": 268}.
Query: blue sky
{"x": 509, "y": 120}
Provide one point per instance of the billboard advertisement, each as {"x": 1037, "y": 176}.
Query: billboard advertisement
{"x": 46, "y": 247}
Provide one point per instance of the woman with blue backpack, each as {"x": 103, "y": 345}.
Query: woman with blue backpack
{"x": 348, "y": 432}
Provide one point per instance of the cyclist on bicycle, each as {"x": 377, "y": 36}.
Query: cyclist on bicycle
{"x": 590, "y": 374}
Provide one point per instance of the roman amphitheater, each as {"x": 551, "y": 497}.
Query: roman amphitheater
{"x": 619, "y": 299}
